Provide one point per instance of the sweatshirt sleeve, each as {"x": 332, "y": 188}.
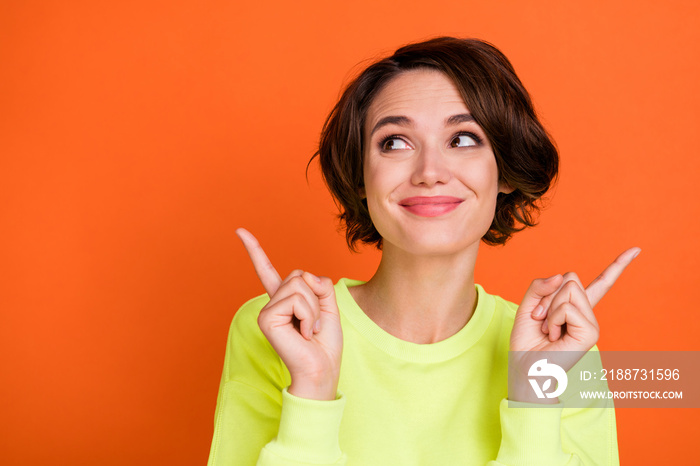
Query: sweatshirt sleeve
{"x": 257, "y": 421}
{"x": 308, "y": 433}
{"x": 558, "y": 435}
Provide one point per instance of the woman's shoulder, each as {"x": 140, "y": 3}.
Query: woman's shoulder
{"x": 249, "y": 356}
{"x": 501, "y": 305}
{"x": 244, "y": 327}
{"x": 250, "y": 309}
{"x": 507, "y": 307}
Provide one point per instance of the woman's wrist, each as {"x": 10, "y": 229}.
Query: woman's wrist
{"x": 528, "y": 396}
{"x": 322, "y": 390}
{"x": 519, "y": 386}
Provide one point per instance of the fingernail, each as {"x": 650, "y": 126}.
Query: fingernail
{"x": 636, "y": 254}
{"x": 551, "y": 278}
{"x": 539, "y": 310}
{"x": 317, "y": 326}
{"x": 315, "y": 277}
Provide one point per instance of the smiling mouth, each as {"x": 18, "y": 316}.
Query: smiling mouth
{"x": 434, "y": 206}
{"x": 432, "y": 200}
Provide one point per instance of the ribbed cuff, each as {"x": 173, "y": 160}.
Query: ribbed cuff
{"x": 531, "y": 435}
{"x": 309, "y": 429}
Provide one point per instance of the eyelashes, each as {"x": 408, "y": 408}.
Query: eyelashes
{"x": 398, "y": 142}
{"x": 385, "y": 146}
{"x": 478, "y": 141}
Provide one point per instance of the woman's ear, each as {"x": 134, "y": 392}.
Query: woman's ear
{"x": 362, "y": 193}
{"x": 504, "y": 188}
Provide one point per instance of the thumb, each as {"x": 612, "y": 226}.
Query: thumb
{"x": 539, "y": 289}
{"x": 324, "y": 291}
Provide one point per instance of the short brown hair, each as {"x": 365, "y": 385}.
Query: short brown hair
{"x": 526, "y": 157}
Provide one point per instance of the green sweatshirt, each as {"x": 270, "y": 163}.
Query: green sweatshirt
{"x": 398, "y": 403}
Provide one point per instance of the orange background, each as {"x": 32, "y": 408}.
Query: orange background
{"x": 135, "y": 136}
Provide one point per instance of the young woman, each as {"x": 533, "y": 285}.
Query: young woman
{"x": 428, "y": 152}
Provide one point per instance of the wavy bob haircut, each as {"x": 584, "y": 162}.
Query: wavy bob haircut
{"x": 526, "y": 157}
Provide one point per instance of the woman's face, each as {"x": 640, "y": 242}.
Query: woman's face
{"x": 430, "y": 175}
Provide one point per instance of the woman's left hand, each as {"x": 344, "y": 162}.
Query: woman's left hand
{"x": 556, "y": 313}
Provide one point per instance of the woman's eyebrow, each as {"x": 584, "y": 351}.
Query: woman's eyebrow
{"x": 460, "y": 118}
{"x": 401, "y": 120}
{"x": 392, "y": 120}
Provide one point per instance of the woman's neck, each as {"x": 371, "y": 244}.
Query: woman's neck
{"x": 422, "y": 299}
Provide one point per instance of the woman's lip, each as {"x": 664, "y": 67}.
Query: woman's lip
{"x": 432, "y": 206}
{"x": 429, "y": 200}
{"x": 431, "y": 210}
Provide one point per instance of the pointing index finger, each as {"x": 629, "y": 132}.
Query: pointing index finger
{"x": 267, "y": 273}
{"x": 598, "y": 287}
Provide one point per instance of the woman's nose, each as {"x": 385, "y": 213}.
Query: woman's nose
{"x": 431, "y": 167}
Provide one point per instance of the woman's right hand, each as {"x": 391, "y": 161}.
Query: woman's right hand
{"x": 302, "y": 323}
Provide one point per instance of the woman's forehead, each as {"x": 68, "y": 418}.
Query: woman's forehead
{"x": 416, "y": 94}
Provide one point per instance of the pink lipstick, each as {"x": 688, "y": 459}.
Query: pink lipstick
{"x": 432, "y": 206}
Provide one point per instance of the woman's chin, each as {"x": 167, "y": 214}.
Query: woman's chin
{"x": 437, "y": 245}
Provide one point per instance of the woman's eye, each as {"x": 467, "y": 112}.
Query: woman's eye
{"x": 463, "y": 140}
{"x": 395, "y": 144}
